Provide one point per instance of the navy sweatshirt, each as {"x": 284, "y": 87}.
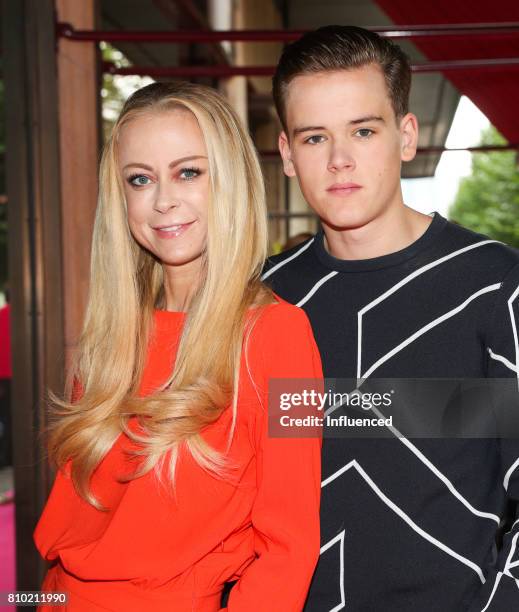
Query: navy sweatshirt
{"x": 409, "y": 525}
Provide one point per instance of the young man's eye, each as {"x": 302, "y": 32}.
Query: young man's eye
{"x": 138, "y": 180}
{"x": 364, "y": 132}
{"x": 188, "y": 174}
{"x": 315, "y": 139}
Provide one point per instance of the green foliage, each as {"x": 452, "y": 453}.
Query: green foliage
{"x": 115, "y": 88}
{"x": 488, "y": 200}
{"x": 111, "y": 95}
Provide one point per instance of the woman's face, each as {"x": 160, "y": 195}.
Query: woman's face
{"x": 163, "y": 162}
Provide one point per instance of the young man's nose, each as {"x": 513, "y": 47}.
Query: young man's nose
{"x": 340, "y": 159}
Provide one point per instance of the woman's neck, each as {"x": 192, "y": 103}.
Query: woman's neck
{"x": 180, "y": 284}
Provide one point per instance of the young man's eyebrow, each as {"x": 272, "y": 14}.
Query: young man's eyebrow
{"x": 366, "y": 119}
{"x": 171, "y": 165}
{"x": 316, "y": 128}
{"x": 306, "y": 128}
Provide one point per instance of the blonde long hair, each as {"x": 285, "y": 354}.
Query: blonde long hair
{"x": 126, "y": 284}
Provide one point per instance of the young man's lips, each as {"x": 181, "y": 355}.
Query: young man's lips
{"x": 343, "y": 188}
{"x": 172, "y": 231}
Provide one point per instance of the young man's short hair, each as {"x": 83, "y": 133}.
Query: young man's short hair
{"x": 333, "y": 48}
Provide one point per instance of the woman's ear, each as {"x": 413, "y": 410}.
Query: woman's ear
{"x": 284, "y": 149}
{"x": 409, "y": 136}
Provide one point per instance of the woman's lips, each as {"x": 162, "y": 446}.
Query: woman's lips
{"x": 172, "y": 231}
{"x": 343, "y": 189}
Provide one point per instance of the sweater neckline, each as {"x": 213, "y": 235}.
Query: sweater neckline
{"x": 166, "y": 319}
{"x": 437, "y": 224}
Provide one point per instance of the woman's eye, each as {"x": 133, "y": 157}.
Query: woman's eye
{"x": 189, "y": 174}
{"x": 315, "y": 139}
{"x": 364, "y": 132}
{"x": 139, "y": 180}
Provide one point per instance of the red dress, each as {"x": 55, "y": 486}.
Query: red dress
{"x": 161, "y": 552}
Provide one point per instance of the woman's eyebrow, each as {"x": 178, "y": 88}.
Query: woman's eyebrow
{"x": 174, "y": 163}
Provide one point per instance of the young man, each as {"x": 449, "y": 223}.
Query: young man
{"x": 408, "y": 525}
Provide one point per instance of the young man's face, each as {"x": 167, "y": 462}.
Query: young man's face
{"x": 345, "y": 145}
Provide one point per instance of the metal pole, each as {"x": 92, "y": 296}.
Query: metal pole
{"x": 65, "y": 30}
{"x": 35, "y": 262}
{"x": 221, "y": 71}
{"x": 217, "y": 71}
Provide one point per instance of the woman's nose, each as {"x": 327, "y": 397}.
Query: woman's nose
{"x": 166, "y": 198}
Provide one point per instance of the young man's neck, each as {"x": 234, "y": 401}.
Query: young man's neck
{"x": 393, "y": 231}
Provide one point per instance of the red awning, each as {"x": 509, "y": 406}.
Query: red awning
{"x": 496, "y": 91}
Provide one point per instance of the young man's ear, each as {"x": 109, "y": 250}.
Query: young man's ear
{"x": 409, "y": 134}
{"x": 284, "y": 149}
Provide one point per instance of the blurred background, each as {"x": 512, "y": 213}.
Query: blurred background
{"x": 66, "y": 67}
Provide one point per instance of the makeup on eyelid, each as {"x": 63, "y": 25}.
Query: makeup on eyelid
{"x": 197, "y": 171}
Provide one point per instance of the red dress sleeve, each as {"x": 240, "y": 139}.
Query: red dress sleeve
{"x": 285, "y": 513}
{"x": 77, "y": 390}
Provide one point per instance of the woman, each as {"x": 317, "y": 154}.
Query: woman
{"x": 168, "y": 483}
